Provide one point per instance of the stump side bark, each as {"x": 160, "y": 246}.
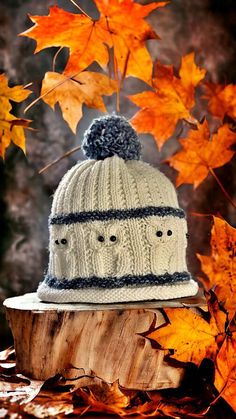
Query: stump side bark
{"x": 101, "y": 341}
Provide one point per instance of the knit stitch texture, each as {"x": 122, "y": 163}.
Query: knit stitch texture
{"x": 117, "y": 232}
{"x": 109, "y": 136}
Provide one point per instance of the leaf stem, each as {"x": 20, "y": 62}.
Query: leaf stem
{"x": 28, "y": 85}
{"x": 80, "y": 8}
{"x": 118, "y": 83}
{"x": 49, "y": 91}
{"x": 222, "y": 187}
{"x": 67, "y": 154}
{"x": 115, "y": 69}
{"x": 55, "y": 57}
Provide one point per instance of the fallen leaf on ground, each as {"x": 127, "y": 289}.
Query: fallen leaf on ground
{"x": 59, "y": 397}
{"x": 201, "y": 152}
{"x": 50, "y": 405}
{"x": 105, "y": 398}
{"x": 18, "y": 388}
{"x": 6, "y": 353}
{"x": 171, "y": 100}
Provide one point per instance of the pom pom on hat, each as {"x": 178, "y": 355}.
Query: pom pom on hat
{"x": 111, "y": 135}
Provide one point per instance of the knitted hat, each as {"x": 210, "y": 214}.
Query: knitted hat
{"x": 116, "y": 230}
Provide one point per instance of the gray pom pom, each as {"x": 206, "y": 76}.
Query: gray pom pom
{"x": 111, "y": 135}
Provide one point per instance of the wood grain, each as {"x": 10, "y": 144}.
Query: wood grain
{"x": 96, "y": 339}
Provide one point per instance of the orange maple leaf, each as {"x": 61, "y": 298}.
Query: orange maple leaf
{"x": 87, "y": 39}
{"x": 11, "y": 128}
{"x": 86, "y": 87}
{"x": 191, "y": 337}
{"x": 106, "y": 398}
{"x": 222, "y": 99}
{"x": 201, "y": 153}
{"x": 220, "y": 266}
{"x": 225, "y": 373}
{"x": 171, "y": 100}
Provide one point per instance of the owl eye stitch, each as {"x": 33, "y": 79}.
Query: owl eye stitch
{"x": 113, "y": 238}
{"x": 101, "y": 239}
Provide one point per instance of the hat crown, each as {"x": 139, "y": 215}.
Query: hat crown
{"x": 113, "y": 183}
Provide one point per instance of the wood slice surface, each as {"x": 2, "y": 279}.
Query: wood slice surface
{"x": 103, "y": 340}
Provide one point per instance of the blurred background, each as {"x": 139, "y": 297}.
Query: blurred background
{"x": 207, "y": 27}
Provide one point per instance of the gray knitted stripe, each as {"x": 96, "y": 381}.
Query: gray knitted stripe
{"x": 115, "y": 214}
{"x": 113, "y": 282}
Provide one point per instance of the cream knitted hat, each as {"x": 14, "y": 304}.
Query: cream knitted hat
{"x": 116, "y": 230}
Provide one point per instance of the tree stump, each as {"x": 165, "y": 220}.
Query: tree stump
{"x": 104, "y": 340}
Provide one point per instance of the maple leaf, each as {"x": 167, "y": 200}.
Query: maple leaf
{"x": 220, "y": 266}
{"x": 48, "y": 404}
{"x": 86, "y": 87}
{"x": 120, "y": 17}
{"x": 88, "y": 39}
{"x": 82, "y": 35}
{"x": 59, "y": 396}
{"x": 201, "y": 153}
{"x": 171, "y": 100}
{"x": 225, "y": 373}
{"x": 191, "y": 337}
{"x": 11, "y": 128}
{"x": 221, "y": 99}
{"x": 105, "y": 398}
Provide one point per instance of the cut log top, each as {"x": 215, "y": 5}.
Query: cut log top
{"x": 31, "y": 302}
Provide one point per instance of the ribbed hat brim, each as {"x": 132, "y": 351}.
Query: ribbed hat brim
{"x": 116, "y": 295}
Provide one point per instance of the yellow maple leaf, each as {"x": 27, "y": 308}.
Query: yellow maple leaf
{"x": 86, "y": 87}
{"x": 191, "y": 337}
{"x": 11, "y": 128}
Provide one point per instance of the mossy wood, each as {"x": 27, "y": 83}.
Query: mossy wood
{"x": 105, "y": 340}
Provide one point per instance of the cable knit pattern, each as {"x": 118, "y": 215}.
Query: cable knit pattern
{"x": 116, "y": 233}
